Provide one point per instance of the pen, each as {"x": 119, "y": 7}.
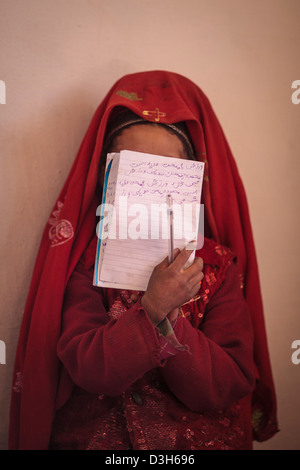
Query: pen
{"x": 171, "y": 227}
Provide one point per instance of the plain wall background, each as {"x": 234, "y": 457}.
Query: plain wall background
{"x": 59, "y": 58}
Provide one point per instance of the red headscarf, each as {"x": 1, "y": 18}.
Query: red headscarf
{"x": 39, "y": 387}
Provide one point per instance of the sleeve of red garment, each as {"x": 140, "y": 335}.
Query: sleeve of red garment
{"x": 218, "y": 369}
{"x": 104, "y": 355}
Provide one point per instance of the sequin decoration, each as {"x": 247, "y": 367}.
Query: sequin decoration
{"x": 242, "y": 281}
{"x": 158, "y": 422}
{"x": 122, "y": 302}
{"x": 221, "y": 250}
{"x": 151, "y": 427}
{"x": 110, "y": 434}
{"x": 117, "y": 309}
{"x": 211, "y": 278}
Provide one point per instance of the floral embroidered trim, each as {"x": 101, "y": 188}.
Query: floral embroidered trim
{"x": 61, "y": 230}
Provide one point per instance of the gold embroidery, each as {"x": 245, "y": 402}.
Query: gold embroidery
{"x": 130, "y": 96}
{"x": 193, "y": 299}
{"x": 155, "y": 113}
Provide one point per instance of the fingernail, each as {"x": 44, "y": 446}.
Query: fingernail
{"x": 191, "y": 245}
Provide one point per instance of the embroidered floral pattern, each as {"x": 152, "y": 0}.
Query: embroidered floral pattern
{"x": 130, "y": 96}
{"x": 18, "y": 384}
{"x": 117, "y": 309}
{"x": 122, "y": 302}
{"x": 61, "y": 230}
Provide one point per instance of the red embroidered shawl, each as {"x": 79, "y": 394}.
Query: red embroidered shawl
{"x": 157, "y": 96}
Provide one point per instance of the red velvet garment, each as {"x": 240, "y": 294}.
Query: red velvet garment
{"x": 129, "y": 397}
{"x": 158, "y": 97}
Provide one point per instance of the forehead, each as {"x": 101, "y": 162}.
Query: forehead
{"x": 148, "y": 138}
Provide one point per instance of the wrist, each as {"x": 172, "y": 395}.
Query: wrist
{"x": 152, "y": 310}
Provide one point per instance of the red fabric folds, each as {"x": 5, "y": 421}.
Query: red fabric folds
{"x": 157, "y": 96}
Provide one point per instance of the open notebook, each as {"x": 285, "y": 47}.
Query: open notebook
{"x": 133, "y": 231}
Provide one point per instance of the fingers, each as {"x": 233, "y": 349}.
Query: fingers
{"x": 193, "y": 274}
{"x": 182, "y": 258}
{"x": 196, "y": 280}
{"x": 165, "y": 262}
{"x": 195, "y": 268}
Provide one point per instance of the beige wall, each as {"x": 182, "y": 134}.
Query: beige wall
{"x": 58, "y": 59}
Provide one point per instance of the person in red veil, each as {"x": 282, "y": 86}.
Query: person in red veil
{"x": 94, "y": 369}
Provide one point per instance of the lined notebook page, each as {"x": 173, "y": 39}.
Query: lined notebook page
{"x": 138, "y": 234}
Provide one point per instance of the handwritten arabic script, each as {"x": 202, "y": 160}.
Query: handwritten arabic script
{"x": 158, "y": 177}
